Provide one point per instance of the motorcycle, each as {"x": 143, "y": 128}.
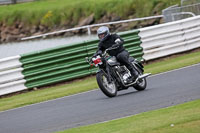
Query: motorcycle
{"x": 113, "y": 77}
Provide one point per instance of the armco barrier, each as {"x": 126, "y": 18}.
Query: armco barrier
{"x": 169, "y": 38}
{"x": 68, "y": 62}
{"x": 55, "y": 65}
{"x": 9, "y": 63}
{"x": 11, "y": 77}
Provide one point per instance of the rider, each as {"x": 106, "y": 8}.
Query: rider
{"x": 108, "y": 40}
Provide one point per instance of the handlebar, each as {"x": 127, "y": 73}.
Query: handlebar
{"x": 111, "y": 48}
{"x": 89, "y": 60}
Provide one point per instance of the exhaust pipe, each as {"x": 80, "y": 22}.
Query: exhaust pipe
{"x": 140, "y": 77}
{"x": 144, "y": 75}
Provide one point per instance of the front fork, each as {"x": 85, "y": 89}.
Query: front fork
{"x": 107, "y": 72}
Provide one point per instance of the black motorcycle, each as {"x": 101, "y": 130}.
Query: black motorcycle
{"x": 112, "y": 76}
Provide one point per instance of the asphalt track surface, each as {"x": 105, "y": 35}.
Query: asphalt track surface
{"x": 163, "y": 90}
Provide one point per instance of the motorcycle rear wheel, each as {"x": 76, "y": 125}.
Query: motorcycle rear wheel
{"x": 141, "y": 84}
{"x": 109, "y": 90}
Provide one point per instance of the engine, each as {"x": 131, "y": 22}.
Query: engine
{"x": 124, "y": 73}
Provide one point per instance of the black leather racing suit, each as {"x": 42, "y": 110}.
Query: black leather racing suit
{"x": 120, "y": 53}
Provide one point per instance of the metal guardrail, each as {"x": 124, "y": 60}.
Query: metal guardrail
{"x": 170, "y": 38}
{"x": 181, "y": 13}
{"x": 189, "y": 2}
{"x": 175, "y": 13}
{"x": 11, "y": 78}
{"x": 55, "y": 65}
{"x": 68, "y": 62}
{"x": 90, "y": 26}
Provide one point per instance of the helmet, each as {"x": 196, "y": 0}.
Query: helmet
{"x": 103, "y": 33}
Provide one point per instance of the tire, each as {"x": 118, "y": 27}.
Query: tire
{"x": 109, "y": 90}
{"x": 141, "y": 84}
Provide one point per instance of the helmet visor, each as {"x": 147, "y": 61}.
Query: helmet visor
{"x": 101, "y": 36}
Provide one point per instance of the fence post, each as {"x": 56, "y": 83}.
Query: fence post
{"x": 89, "y": 31}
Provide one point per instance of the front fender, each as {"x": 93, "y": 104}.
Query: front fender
{"x": 101, "y": 71}
{"x": 98, "y": 71}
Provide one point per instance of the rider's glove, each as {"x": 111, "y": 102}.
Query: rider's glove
{"x": 98, "y": 53}
{"x": 118, "y": 41}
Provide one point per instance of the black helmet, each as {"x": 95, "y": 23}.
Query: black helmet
{"x": 103, "y": 33}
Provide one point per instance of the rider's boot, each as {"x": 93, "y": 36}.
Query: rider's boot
{"x": 134, "y": 74}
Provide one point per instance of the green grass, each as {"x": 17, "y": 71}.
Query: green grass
{"x": 61, "y": 12}
{"x": 48, "y": 93}
{"x": 183, "y": 118}
{"x": 90, "y": 83}
{"x": 173, "y": 63}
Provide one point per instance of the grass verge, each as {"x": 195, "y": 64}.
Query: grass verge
{"x": 90, "y": 83}
{"x": 62, "y": 12}
{"x": 183, "y": 118}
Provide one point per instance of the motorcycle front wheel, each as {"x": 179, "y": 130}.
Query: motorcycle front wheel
{"x": 109, "y": 89}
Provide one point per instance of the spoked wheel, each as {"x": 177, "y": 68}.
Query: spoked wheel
{"x": 109, "y": 89}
